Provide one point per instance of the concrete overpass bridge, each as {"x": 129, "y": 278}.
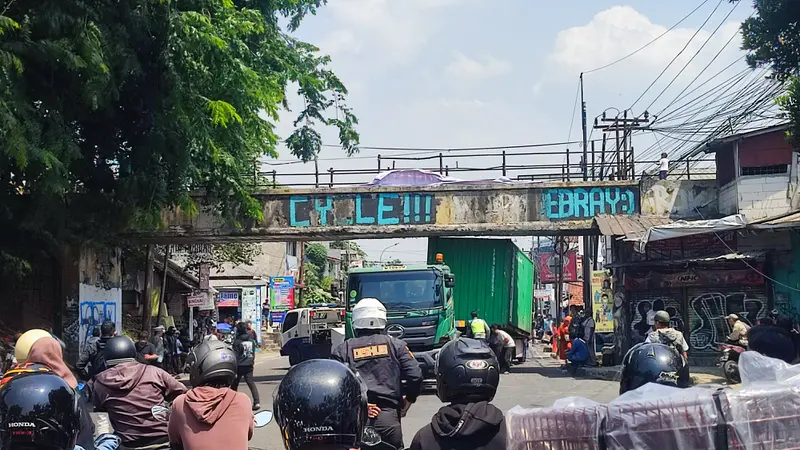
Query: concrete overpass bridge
{"x": 508, "y": 209}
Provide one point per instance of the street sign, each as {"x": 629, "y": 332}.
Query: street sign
{"x": 195, "y": 301}
{"x": 205, "y": 272}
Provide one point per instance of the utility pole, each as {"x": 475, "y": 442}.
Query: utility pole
{"x": 624, "y": 150}
{"x": 585, "y": 139}
{"x": 147, "y": 306}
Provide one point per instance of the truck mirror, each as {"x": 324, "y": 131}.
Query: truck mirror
{"x": 450, "y": 281}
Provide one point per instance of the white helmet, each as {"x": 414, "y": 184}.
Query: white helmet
{"x": 369, "y": 314}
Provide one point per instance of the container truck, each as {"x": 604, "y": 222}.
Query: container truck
{"x": 495, "y": 279}
{"x": 428, "y": 305}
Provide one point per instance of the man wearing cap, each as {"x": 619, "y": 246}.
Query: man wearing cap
{"x": 738, "y": 330}
{"x": 665, "y": 334}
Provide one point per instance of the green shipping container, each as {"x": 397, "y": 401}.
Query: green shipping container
{"x": 493, "y": 277}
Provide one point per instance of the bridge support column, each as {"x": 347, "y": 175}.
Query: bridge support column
{"x": 91, "y": 292}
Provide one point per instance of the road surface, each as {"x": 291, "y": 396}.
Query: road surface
{"x": 538, "y": 382}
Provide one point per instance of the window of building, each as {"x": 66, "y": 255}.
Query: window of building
{"x": 765, "y": 170}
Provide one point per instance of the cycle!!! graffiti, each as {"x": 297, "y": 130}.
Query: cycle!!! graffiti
{"x": 93, "y": 314}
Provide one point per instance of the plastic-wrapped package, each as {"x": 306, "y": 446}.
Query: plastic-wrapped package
{"x": 762, "y": 416}
{"x": 574, "y": 425}
{"x": 659, "y": 419}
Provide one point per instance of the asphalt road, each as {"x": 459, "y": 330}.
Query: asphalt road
{"x": 538, "y": 382}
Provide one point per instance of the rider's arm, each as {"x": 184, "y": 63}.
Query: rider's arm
{"x": 174, "y": 429}
{"x": 735, "y": 333}
{"x": 172, "y": 387}
{"x": 85, "y": 358}
{"x": 340, "y": 353}
{"x": 410, "y": 371}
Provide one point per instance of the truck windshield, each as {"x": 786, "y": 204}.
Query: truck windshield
{"x": 417, "y": 289}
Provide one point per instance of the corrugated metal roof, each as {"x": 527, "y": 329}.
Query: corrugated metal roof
{"x": 789, "y": 220}
{"x": 680, "y": 262}
{"x": 632, "y": 227}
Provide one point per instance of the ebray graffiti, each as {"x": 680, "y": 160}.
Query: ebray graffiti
{"x": 585, "y": 203}
{"x": 708, "y": 312}
{"x": 385, "y": 208}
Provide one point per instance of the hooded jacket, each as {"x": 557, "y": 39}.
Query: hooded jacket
{"x": 245, "y": 349}
{"x": 47, "y": 352}
{"x": 208, "y": 417}
{"x": 474, "y": 426}
{"x": 127, "y": 392}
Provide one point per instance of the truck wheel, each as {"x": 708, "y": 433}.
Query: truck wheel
{"x": 295, "y": 357}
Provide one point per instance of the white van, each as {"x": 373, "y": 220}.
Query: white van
{"x": 306, "y": 333}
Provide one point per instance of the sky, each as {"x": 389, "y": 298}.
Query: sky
{"x": 466, "y": 73}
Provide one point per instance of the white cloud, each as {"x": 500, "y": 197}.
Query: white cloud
{"x": 394, "y": 30}
{"x": 618, "y": 31}
{"x": 470, "y": 70}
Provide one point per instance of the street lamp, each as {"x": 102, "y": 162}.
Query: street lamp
{"x": 387, "y": 248}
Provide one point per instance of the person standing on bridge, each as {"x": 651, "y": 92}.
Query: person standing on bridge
{"x": 477, "y": 327}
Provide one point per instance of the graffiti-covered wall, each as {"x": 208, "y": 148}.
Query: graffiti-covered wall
{"x": 680, "y": 198}
{"x": 643, "y": 307}
{"x": 708, "y": 308}
{"x": 98, "y": 297}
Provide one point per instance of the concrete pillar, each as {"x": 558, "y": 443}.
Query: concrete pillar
{"x": 91, "y": 287}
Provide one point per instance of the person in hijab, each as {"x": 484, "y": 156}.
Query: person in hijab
{"x": 47, "y": 352}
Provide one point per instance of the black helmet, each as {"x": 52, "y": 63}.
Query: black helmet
{"x": 118, "y": 350}
{"x": 466, "y": 371}
{"x": 38, "y": 411}
{"x": 212, "y": 362}
{"x": 653, "y": 363}
{"x": 321, "y": 401}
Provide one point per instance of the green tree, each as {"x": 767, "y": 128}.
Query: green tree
{"x": 772, "y": 38}
{"x": 111, "y": 111}
{"x": 317, "y": 254}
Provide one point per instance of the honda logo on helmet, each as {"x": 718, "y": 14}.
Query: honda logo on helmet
{"x": 320, "y": 429}
{"x": 395, "y": 331}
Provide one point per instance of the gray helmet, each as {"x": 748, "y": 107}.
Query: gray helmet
{"x": 212, "y": 362}
{"x": 662, "y": 317}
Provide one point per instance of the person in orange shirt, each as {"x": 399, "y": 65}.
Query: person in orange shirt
{"x": 563, "y": 338}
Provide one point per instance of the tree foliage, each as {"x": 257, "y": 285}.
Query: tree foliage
{"x": 112, "y": 111}
{"x": 772, "y": 38}
{"x": 317, "y": 254}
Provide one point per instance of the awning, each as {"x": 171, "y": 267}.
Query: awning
{"x": 783, "y": 221}
{"x": 630, "y": 228}
{"x": 684, "y": 228}
{"x": 680, "y": 262}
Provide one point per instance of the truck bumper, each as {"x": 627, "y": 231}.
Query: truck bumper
{"x": 427, "y": 361}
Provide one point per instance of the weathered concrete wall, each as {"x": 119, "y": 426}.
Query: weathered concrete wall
{"x": 513, "y": 209}
{"x": 680, "y": 199}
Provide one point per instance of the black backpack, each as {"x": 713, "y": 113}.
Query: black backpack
{"x": 98, "y": 360}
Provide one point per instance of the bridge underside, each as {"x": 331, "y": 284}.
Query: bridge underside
{"x": 570, "y": 228}
{"x": 513, "y": 209}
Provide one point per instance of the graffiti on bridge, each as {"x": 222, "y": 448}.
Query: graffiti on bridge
{"x": 583, "y": 203}
{"x": 709, "y": 311}
{"x": 644, "y": 311}
{"x": 385, "y": 208}
{"x": 93, "y": 314}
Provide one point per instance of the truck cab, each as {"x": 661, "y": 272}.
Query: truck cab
{"x": 418, "y": 301}
{"x": 308, "y": 333}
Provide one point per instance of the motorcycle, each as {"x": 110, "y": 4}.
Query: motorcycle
{"x": 729, "y": 361}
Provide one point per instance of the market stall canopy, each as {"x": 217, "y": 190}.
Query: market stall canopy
{"x": 628, "y": 228}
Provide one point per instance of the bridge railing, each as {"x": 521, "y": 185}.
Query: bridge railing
{"x": 489, "y": 165}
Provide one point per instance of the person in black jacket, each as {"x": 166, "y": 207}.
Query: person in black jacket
{"x": 245, "y": 350}
{"x": 467, "y": 376}
{"x": 383, "y": 362}
{"x": 91, "y": 358}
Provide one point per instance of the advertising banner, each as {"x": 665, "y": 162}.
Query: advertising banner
{"x": 227, "y": 299}
{"x": 548, "y": 267}
{"x": 251, "y": 310}
{"x": 602, "y": 302}
{"x": 281, "y": 293}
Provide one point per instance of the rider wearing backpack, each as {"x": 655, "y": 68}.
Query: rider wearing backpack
{"x": 665, "y": 334}
{"x": 92, "y": 361}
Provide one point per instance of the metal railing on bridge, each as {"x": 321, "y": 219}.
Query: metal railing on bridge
{"x": 504, "y": 165}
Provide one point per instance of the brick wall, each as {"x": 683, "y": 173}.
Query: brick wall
{"x": 763, "y": 196}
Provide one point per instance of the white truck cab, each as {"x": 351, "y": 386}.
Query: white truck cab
{"x": 306, "y": 333}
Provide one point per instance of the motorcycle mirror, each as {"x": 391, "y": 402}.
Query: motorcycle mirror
{"x": 160, "y": 413}
{"x": 263, "y": 418}
{"x": 370, "y": 438}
